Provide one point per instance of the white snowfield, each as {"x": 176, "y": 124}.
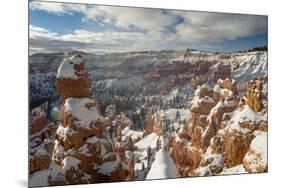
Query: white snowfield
{"x": 242, "y": 115}
{"x": 239, "y": 169}
{"x": 259, "y": 147}
{"x": 66, "y": 69}
{"x": 251, "y": 64}
{"x": 149, "y": 140}
{"x": 78, "y": 109}
{"x": 129, "y": 133}
{"x": 163, "y": 167}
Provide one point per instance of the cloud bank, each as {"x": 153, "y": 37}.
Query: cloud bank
{"x": 136, "y": 29}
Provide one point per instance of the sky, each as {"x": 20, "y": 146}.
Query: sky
{"x": 63, "y": 27}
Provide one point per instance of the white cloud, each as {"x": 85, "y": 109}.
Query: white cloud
{"x": 209, "y": 27}
{"x": 124, "y": 17}
{"x": 41, "y": 33}
{"x": 145, "y": 29}
{"x": 149, "y": 19}
{"x": 89, "y": 41}
{"x": 57, "y": 8}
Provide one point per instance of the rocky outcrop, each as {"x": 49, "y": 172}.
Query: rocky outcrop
{"x": 212, "y": 161}
{"x": 254, "y": 94}
{"x": 185, "y": 156}
{"x": 82, "y": 151}
{"x": 222, "y": 71}
{"x": 40, "y": 160}
{"x": 72, "y": 79}
{"x": 38, "y": 121}
{"x": 225, "y": 88}
{"x": 208, "y": 107}
{"x": 222, "y": 131}
{"x": 41, "y": 137}
{"x": 255, "y": 160}
{"x": 149, "y": 122}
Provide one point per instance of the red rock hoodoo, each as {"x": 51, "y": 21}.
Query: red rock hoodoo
{"x": 72, "y": 79}
{"x": 82, "y": 151}
{"x": 221, "y": 134}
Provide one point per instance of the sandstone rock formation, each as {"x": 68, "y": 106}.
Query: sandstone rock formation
{"x": 225, "y": 88}
{"x": 254, "y": 94}
{"x": 222, "y": 131}
{"x": 255, "y": 160}
{"x": 149, "y": 122}
{"x": 186, "y": 156}
{"x": 82, "y": 151}
{"x": 212, "y": 161}
{"x": 42, "y": 133}
{"x": 72, "y": 79}
{"x": 222, "y": 71}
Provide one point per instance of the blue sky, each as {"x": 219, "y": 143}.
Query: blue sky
{"x": 63, "y": 27}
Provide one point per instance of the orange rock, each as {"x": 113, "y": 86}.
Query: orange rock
{"x": 186, "y": 157}
{"x": 81, "y": 137}
{"x": 38, "y": 123}
{"x": 40, "y": 160}
{"x": 74, "y": 81}
{"x": 236, "y": 146}
{"x": 150, "y": 122}
{"x": 254, "y": 94}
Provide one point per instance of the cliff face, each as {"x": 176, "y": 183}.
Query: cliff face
{"x": 222, "y": 131}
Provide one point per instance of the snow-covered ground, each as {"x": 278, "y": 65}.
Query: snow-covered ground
{"x": 239, "y": 169}
{"x": 243, "y": 115}
{"x": 163, "y": 166}
{"x": 159, "y": 164}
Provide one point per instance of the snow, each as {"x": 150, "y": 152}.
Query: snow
{"x": 206, "y": 86}
{"x": 41, "y": 152}
{"x": 223, "y": 91}
{"x": 196, "y": 100}
{"x": 220, "y": 104}
{"x": 70, "y": 162}
{"x": 174, "y": 93}
{"x": 77, "y": 108}
{"x": 243, "y": 115}
{"x": 128, "y": 82}
{"x": 171, "y": 114}
{"x": 250, "y": 65}
{"x": 163, "y": 167}
{"x": 129, "y": 155}
{"x": 264, "y": 90}
{"x": 259, "y": 147}
{"x": 128, "y": 133}
{"x": 93, "y": 139}
{"x": 54, "y": 171}
{"x": 217, "y": 162}
{"x": 239, "y": 169}
{"x": 206, "y": 99}
{"x": 39, "y": 178}
{"x": 59, "y": 150}
{"x": 259, "y": 143}
{"x": 84, "y": 150}
{"x": 148, "y": 141}
{"x": 66, "y": 69}
{"x": 64, "y": 132}
{"x": 108, "y": 167}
